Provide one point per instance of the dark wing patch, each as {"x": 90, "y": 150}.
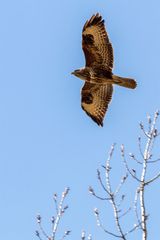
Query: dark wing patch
{"x": 95, "y": 100}
{"x": 88, "y": 39}
{"x": 96, "y": 45}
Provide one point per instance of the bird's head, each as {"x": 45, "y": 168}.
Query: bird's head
{"x": 82, "y": 73}
{"x": 77, "y": 72}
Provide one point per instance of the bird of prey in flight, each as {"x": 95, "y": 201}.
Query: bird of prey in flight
{"x": 97, "y": 91}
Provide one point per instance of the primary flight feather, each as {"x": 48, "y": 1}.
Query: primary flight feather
{"x": 97, "y": 91}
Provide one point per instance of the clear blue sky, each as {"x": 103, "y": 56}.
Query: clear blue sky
{"x": 46, "y": 141}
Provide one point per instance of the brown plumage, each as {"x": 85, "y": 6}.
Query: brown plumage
{"x": 95, "y": 100}
{"x": 97, "y": 90}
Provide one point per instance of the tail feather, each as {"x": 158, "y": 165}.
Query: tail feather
{"x": 124, "y": 82}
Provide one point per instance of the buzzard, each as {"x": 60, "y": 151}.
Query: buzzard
{"x": 97, "y": 91}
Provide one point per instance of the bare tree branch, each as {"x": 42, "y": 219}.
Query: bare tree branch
{"x": 147, "y": 152}
{"x": 139, "y": 199}
{"x": 113, "y": 195}
{"x": 39, "y": 221}
{"x": 60, "y": 210}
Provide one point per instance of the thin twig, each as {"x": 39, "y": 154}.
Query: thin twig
{"x": 140, "y": 147}
{"x": 126, "y": 164}
{"x": 101, "y": 182}
{"x": 153, "y": 179}
{"x": 134, "y": 158}
{"x": 149, "y": 122}
{"x": 133, "y": 229}
{"x": 39, "y": 221}
{"x": 55, "y": 201}
{"x": 143, "y": 130}
{"x": 65, "y": 234}
{"x": 126, "y": 212}
{"x": 38, "y": 235}
{"x": 121, "y": 200}
{"x": 92, "y": 192}
{"x": 154, "y": 161}
{"x": 123, "y": 180}
{"x": 96, "y": 212}
{"x": 111, "y": 194}
{"x": 108, "y": 168}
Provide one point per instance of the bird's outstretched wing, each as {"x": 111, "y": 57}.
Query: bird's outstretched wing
{"x": 95, "y": 100}
{"x": 96, "y": 45}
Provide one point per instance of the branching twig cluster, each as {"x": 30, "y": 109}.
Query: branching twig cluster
{"x": 111, "y": 195}
{"x": 113, "y": 198}
{"x": 55, "y": 220}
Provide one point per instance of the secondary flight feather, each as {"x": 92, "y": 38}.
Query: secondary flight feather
{"x": 97, "y": 91}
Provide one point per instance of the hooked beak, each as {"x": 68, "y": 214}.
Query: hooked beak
{"x": 75, "y": 73}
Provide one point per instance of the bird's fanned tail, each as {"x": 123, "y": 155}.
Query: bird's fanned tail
{"x": 124, "y": 82}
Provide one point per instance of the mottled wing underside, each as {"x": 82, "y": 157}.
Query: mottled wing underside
{"x": 96, "y": 45}
{"x": 95, "y": 100}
